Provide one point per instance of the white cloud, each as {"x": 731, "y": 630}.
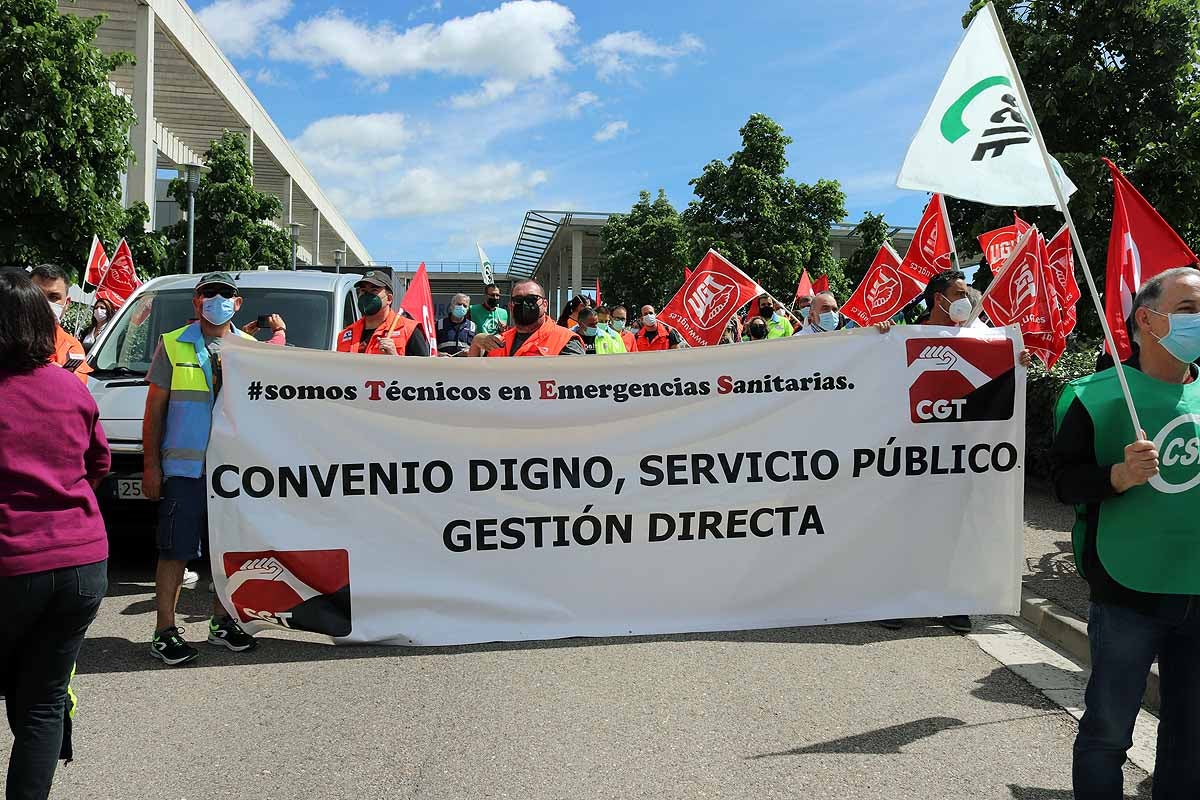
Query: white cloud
{"x": 611, "y": 131}
{"x": 579, "y": 102}
{"x": 386, "y": 165}
{"x": 268, "y": 77}
{"x": 238, "y": 24}
{"x": 435, "y": 7}
{"x": 491, "y": 91}
{"x": 520, "y": 40}
{"x": 624, "y": 51}
{"x": 869, "y": 181}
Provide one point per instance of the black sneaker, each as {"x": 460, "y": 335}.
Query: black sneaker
{"x": 959, "y": 623}
{"x": 169, "y": 646}
{"x": 891, "y": 624}
{"x": 229, "y": 634}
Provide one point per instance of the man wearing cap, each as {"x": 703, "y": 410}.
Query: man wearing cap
{"x": 185, "y": 378}
{"x": 380, "y": 330}
{"x": 68, "y": 352}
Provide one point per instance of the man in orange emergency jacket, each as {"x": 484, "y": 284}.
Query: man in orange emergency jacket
{"x": 68, "y": 352}
{"x": 380, "y": 330}
{"x": 655, "y": 335}
{"x": 532, "y": 332}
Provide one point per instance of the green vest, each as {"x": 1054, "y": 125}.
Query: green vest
{"x": 1149, "y": 537}
{"x": 608, "y": 342}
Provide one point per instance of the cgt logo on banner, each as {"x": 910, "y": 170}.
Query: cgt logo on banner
{"x": 961, "y": 380}
{"x": 308, "y": 590}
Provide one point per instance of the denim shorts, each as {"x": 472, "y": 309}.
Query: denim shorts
{"x": 182, "y": 519}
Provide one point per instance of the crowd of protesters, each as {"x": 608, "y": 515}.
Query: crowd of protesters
{"x": 53, "y": 544}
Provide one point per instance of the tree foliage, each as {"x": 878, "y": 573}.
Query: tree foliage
{"x": 63, "y": 136}
{"x": 873, "y": 230}
{"x": 149, "y": 247}
{"x": 645, "y": 252}
{"x": 766, "y": 223}
{"x": 231, "y": 228}
{"x": 1107, "y": 78}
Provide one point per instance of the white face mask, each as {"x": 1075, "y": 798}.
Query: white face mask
{"x": 57, "y": 309}
{"x": 649, "y": 320}
{"x": 960, "y": 310}
{"x": 100, "y": 314}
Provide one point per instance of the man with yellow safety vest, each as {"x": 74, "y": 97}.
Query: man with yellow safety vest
{"x": 185, "y": 378}
{"x": 610, "y": 342}
{"x": 618, "y": 319}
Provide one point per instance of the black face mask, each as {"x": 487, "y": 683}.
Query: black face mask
{"x": 492, "y": 302}
{"x": 527, "y": 310}
{"x": 758, "y": 332}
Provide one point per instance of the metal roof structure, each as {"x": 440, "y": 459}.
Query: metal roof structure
{"x": 186, "y": 93}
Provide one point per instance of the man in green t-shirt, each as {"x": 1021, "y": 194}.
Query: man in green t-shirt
{"x": 490, "y": 317}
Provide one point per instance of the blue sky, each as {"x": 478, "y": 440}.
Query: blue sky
{"x": 435, "y": 124}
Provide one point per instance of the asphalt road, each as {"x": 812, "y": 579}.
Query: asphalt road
{"x": 849, "y": 711}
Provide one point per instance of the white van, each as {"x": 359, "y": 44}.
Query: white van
{"x": 315, "y": 306}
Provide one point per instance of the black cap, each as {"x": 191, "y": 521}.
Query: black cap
{"x": 375, "y": 278}
{"x": 216, "y": 279}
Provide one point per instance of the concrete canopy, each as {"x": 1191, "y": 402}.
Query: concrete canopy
{"x": 186, "y": 92}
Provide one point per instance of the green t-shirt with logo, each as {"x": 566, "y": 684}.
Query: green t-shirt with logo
{"x": 488, "y": 320}
{"x": 1148, "y": 538}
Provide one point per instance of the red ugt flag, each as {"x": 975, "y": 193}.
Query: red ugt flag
{"x": 1061, "y": 265}
{"x": 120, "y": 279}
{"x": 883, "y": 291}
{"x": 1140, "y": 246}
{"x": 97, "y": 263}
{"x": 821, "y": 285}
{"x": 1021, "y": 295}
{"x": 703, "y": 306}
{"x": 929, "y": 252}
{"x": 418, "y": 302}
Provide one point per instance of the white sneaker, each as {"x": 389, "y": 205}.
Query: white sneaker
{"x": 190, "y": 579}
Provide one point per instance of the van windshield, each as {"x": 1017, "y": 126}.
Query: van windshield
{"x": 129, "y": 347}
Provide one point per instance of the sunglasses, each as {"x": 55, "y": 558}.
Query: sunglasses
{"x": 209, "y": 292}
{"x": 526, "y": 298}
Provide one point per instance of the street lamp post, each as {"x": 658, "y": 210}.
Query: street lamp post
{"x": 193, "y": 183}
{"x": 339, "y": 260}
{"x": 295, "y": 226}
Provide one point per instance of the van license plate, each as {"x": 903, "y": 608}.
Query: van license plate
{"x": 130, "y": 490}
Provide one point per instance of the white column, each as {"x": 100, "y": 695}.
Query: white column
{"x": 140, "y": 184}
{"x": 316, "y": 237}
{"x": 563, "y": 297}
{"x": 287, "y": 204}
{"x": 577, "y": 262}
{"x": 250, "y": 145}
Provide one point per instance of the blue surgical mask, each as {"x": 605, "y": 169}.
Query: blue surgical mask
{"x": 217, "y": 310}
{"x": 828, "y": 320}
{"x": 775, "y": 317}
{"x": 459, "y": 311}
{"x": 618, "y": 325}
{"x": 1183, "y": 337}
{"x": 603, "y": 326}
{"x": 592, "y": 331}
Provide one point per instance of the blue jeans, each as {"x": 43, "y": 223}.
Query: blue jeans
{"x": 46, "y": 615}
{"x": 1124, "y": 643}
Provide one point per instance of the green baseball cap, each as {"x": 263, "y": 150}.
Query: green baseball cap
{"x": 216, "y": 279}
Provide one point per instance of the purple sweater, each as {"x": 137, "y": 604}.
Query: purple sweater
{"x": 51, "y": 448}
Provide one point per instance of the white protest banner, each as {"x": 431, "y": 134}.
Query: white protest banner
{"x": 829, "y": 478}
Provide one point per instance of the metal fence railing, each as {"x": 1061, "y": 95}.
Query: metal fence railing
{"x": 435, "y": 266}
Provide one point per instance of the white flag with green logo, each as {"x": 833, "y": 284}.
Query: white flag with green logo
{"x": 485, "y": 267}
{"x": 976, "y": 142}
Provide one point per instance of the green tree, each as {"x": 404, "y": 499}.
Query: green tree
{"x": 149, "y": 247}
{"x": 1106, "y": 78}
{"x": 874, "y": 230}
{"x": 231, "y": 229}
{"x": 645, "y": 252}
{"x": 63, "y": 135}
{"x": 766, "y": 223}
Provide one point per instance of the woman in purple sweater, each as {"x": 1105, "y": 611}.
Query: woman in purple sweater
{"x": 53, "y": 546}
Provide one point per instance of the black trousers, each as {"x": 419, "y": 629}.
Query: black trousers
{"x": 42, "y": 624}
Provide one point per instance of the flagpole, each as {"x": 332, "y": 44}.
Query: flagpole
{"x": 1062, "y": 204}
{"x": 950, "y": 233}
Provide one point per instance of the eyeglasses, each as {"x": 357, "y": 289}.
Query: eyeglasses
{"x": 209, "y": 292}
